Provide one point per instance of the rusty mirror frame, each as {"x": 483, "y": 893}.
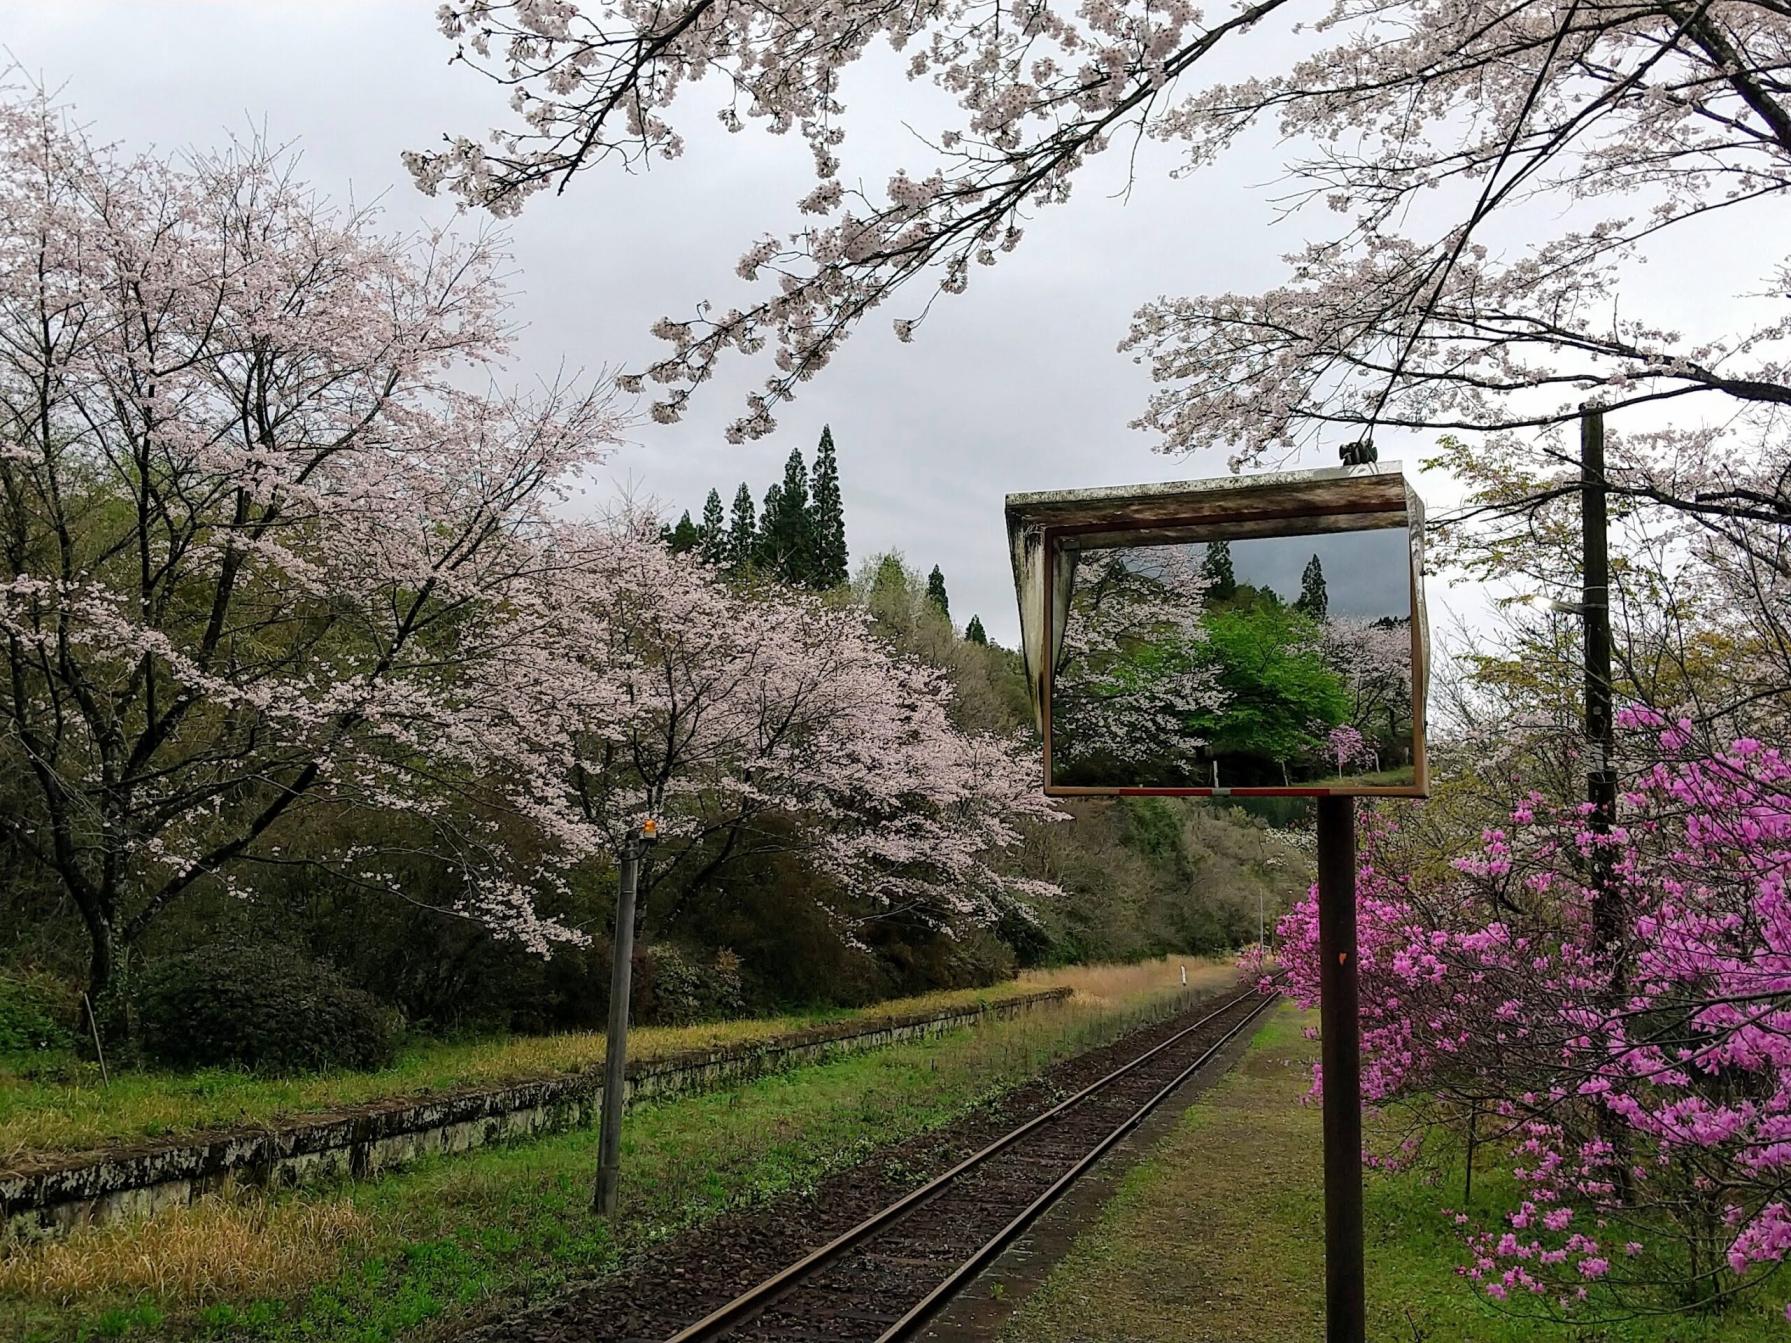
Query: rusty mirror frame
{"x": 1044, "y": 527}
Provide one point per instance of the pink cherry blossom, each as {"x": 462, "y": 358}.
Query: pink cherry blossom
{"x": 1480, "y": 188}
{"x": 270, "y": 557}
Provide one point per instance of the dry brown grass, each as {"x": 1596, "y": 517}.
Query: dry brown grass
{"x": 220, "y": 1248}
{"x": 1111, "y": 985}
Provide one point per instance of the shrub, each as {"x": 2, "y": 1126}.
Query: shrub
{"x": 676, "y": 988}
{"x": 266, "y": 1008}
{"x": 31, "y": 1011}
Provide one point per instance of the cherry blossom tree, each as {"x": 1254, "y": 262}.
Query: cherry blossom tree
{"x": 644, "y": 683}
{"x": 1453, "y": 290}
{"x": 266, "y": 555}
{"x": 1346, "y": 746}
{"x": 256, "y": 528}
{"x": 1374, "y": 658}
{"x": 1131, "y": 674}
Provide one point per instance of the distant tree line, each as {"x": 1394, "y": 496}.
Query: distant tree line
{"x": 798, "y": 537}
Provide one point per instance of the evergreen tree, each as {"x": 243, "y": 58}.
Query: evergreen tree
{"x": 828, "y": 518}
{"x": 973, "y": 632}
{"x": 786, "y": 530}
{"x": 713, "y": 532}
{"x": 794, "y": 529}
{"x": 1313, "y": 599}
{"x": 743, "y": 529}
{"x": 765, "y": 551}
{"x": 796, "y": 490}
{"x": 1223, "y": 582}
{"x": 682, "y": 538}
{"x": 936, "y": 592}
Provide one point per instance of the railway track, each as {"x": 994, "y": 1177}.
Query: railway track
{"x": 883, "y": 1279}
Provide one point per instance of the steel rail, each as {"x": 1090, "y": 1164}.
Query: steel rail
{"x": 758, "y": 1298}
{"x": 987, "y": 1251}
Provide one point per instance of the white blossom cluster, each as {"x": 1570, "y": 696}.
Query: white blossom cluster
{"x": 268, "y": 559}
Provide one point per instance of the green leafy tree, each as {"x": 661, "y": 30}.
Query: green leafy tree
{"x": 1221, "y": 578}
{"x": 743, "y": 529}
{"x": 890, "y": 578}
{"x": 974, "y": 631}
{"x": 936, "y": 592}
{"x": 828, "y": 518}
{"x": 1280, "y": 695}
{"x": 712, "y": 543}
{"x": 895, "y": 596}
{"x": 1313, "y": 601}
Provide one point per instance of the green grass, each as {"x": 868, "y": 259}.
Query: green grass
{"x": 67, "y": 1107}
{"x": 1218, "y": 1237}
{"x": 456, "y": 1237}
{"x": 1402, "y": 777}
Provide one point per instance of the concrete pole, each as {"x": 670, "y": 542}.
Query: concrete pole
{"x": 615, "y": 1056}
{"x": 1340, "y": 1051}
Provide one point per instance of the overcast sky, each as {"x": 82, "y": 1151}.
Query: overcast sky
{"x": 1367, "y": 574}
{"x": 1013, "y": 386}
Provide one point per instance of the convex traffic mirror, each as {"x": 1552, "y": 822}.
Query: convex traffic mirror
{"x": 1245, "y": 635}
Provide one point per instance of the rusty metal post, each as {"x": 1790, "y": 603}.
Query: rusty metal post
{"x": 1340, "y": 1053}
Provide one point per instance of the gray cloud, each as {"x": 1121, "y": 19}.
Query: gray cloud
{"x": 1367, "y": 574}
{"x": 1014, "y": 386}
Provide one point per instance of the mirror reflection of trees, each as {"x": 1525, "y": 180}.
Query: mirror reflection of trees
{"x": 1132, "y": 667}
{"x": 1176, "y": 668}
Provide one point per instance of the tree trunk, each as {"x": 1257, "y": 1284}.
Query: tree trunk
{"x": 102, "y": 949}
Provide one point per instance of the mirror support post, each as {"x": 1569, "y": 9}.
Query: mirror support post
{"x": 1341, "y": 1057}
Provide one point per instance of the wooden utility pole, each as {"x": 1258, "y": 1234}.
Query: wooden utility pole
{"x": 1601, "y": 740}
{"x": 1340, "y": 1052}
{"x": 1608, "y": 921}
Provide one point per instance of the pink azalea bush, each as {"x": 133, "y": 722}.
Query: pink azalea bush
{"x": 1640, "y": 1086}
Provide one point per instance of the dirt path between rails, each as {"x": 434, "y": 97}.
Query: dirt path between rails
{"x": 683, "y": 1279}
{"x": 981, "y": 1312}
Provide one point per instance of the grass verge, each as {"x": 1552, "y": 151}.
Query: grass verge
{"x": 456, "y": 1237}
{"x": 1217, "y": 1236}
{"x": 70, "y": 1109}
